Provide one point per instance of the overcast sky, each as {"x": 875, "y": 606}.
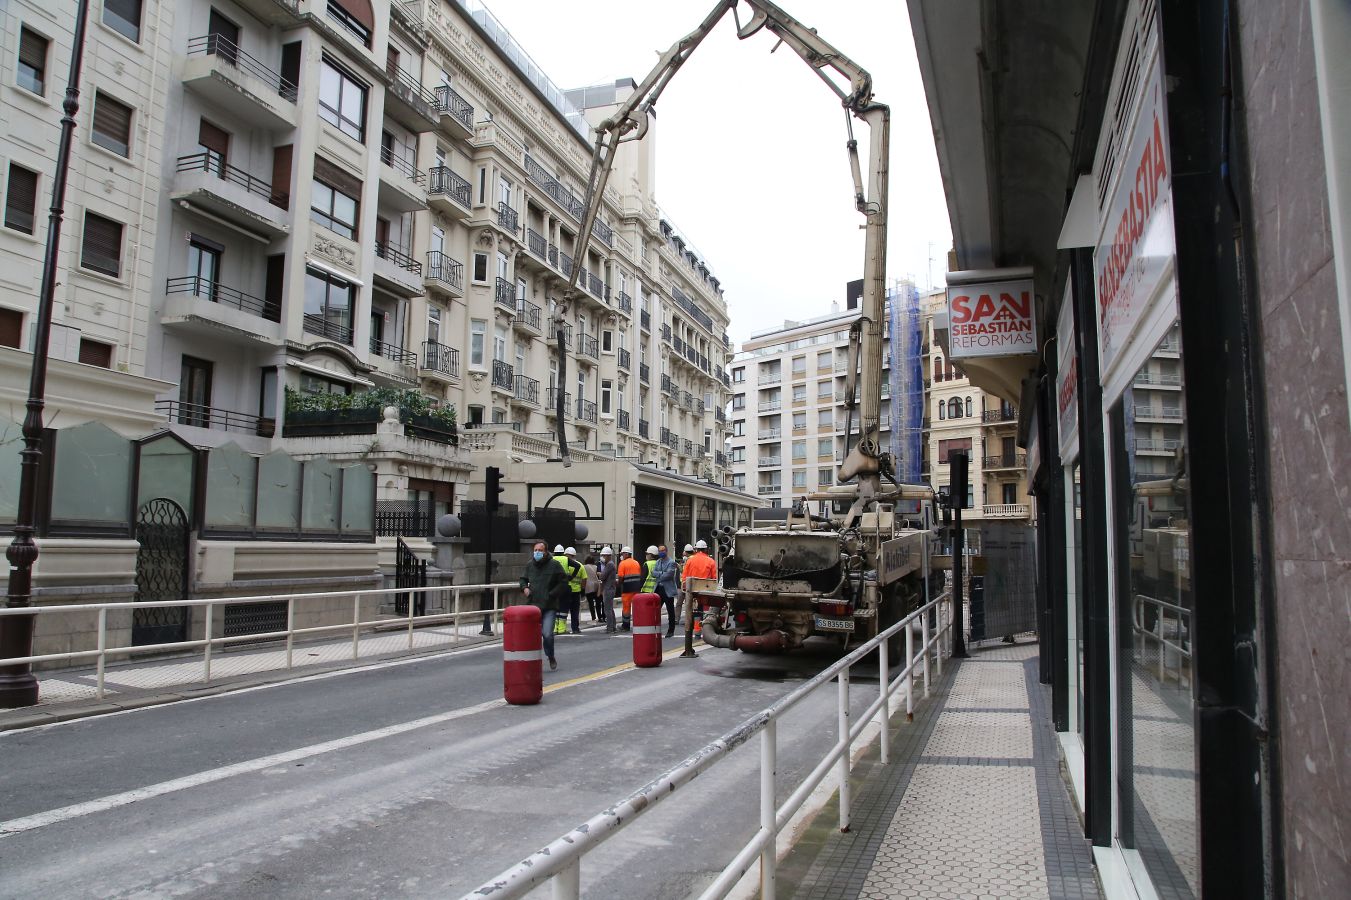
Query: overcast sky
{"x": 751, "y": 161}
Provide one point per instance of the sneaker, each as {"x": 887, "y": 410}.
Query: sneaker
{"x": 553, "y": 664}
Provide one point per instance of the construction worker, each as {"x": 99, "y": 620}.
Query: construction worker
{"x": 699, "y": 565}
{"x": 609, "y": 585}
{"x": 577, "y": 585}
{"x": 631, "y": 576}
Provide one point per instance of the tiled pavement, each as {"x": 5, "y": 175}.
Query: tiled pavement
{"x": 971, "y": 806}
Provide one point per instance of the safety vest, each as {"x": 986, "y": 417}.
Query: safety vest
{"x": 567, "y": 564}
{"x": 629, "y": 568}
{"x": 650, "y": 583}
{"x": 701, "y": 565}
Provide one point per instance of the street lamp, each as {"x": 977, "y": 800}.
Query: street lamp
{"x": 18, "y": 686}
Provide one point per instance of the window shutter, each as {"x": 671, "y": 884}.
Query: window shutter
{"x": 281, "y": 176}
{"x": 32, "y": 50}
{"x": 94, "y": 353}
{"x": 102, "y": 246}
{"x": 11, "y": 327}
{"x": 217, "y": 140}
{"x": 21, "y": 199}
{"x": 112, "y": 123}
{"x": 359, "y": 10}
{"x": 335, "y": 177}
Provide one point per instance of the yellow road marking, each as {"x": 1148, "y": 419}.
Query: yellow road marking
{"x": 613, "y": 670}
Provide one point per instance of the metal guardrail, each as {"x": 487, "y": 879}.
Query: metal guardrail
{"x": 386, "y": 250}
{"x": 210, "y": 641}
{"x": 315, "y": 324}
{"x": 440, "y": 358}
{"x": 200, "y": 416}
{"x": 455, "y": 106}
{"x": 393, "y": 353}
{"x": 216, "y": 292}
{"x": 560, "y": 861}
{"x": 212, "y": 164}
{"x": 400, "y": 164}
{"x": 1181, "y": 619}
{"x": 225, "y": 49}
{"x": 442, "y": 181}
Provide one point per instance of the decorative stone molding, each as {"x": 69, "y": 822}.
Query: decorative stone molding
{"x": 333, "y": 250}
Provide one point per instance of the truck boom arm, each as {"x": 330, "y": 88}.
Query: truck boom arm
{"x": 631, "y": 122}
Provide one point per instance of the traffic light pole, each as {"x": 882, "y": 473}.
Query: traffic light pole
{"x": 957, "y": 497}
{"x": 492, "y": 489}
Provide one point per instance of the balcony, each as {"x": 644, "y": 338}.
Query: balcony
{"x": 447, "y": 192}
{"x": 689, "y": 447}
{"x": 595, "y": 285}
{"x": 508, "y": 220}
{"x": 396, "y": 270}
{"x": 625, "y": 303}
{"x": 665, "y": 437}
{"x": 192, "y": 299}
{"x": 1005, "y": 461}
{"x": 623, "y": 419}
{"x": 625, "y": 360}
{"x": 457, "y": 113}
{"x": 586, "y": 411}
{"x": 726, "y": 379}
{"x": 1158, "y": 414}
{"x": 206, "y": 183}
{"x": 402, "y": 187}
{"x": 443, "y": 274}
{"x": 719, "y": 416}
{"x": 644, "y": 373}
{"x": 1166, "y": 447}
{"x": 565, "y": 264}
{"x": 440, "y": 361}
{"x": 229, "y": 78}
{"x": 667, "y": 385}
{"x": 394, "y": 354}
{"x": 643, "y": 428}
{"x": 769, "y": 434}
{"x": 603, "y": 232}
{"x": 768, "y": 489}
{"x": 505, "y": 295}
{"x": 1003, "y": 414}
{"x": 645, "y": 320}
{"x": 364, "y": 421}
{"x": 799, "y": 428}
{"x": 526, "y": 390}
{"x": 719, "y": 458}
{"x": 198, "y": 416}
{"x": 552, "y": 396}
{"x": 666, "y": 332}
{"x": 569, "y": 202}
{"x": 771, "y": 377}
{"x": 339, "y": 330}
{"x": 1006, "y": 510}
{"x": 538, "y": 245}
{"x": 504, "y": 376}
{"x": 770, "y": 406}
{"x": 1158, "y": 380}
{"x": 692, "y": 308}
{"x": 408, "y": 102}
{"x": 527, "y": 317}
{"x": 274, "y": 12}
{"x": 770, "y": 462}
{"x": 588, "y": 346}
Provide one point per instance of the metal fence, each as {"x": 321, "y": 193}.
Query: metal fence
{"x": 560, "y": 862}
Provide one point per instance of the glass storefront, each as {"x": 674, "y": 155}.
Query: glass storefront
{"x": 1156, "y": 803}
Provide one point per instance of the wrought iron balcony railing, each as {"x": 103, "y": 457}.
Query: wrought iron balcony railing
{"x": 504, "y": 375}
{"x": 444, "y": 269}
{"x": 212, "y": 163}
{"x": 452, "y": 104}
{"x": 538, "y": 245}
{"x": 528, "y": 314}
{"x": 442, "y": 181}
{"x": 625, "y": 359}
{"x": 625, "y": 303}
{"x": 401, "y": 164}
{"x": 644, "y": 373}
{"x": 319, "y": 325}
{"x": 588, "y": 346}
{"x": 586, "y": 411}
{"x": 393, "y": 353}
{"x": 505, "y": 294}
{"x": 527, "y": 390}
{"x": 508, "y": 219}
{"x": 646, "y": 320}
{"x": 623, "y": 419}
{"x": 200, "y": 416}
{"x": 216, "y": 292}
{"x": 643, "y": 428}
{"x": 440, "y": 358}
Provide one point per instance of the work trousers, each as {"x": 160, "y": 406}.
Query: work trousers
{"x": 607, "y": 608}
{"x": 575, "y": 611}
{"x": 669, "y": 602}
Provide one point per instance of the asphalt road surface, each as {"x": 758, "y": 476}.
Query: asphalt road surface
{"x": 410, "y": 779}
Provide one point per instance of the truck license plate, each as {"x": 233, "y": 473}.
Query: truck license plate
{"x": 824, "y": 623}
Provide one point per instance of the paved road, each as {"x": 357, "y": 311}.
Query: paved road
{"x": 411, "y": 779}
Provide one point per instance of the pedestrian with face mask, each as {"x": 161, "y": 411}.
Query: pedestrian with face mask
{"x": 667, "y": 573}
{"x": 546, "y": 587}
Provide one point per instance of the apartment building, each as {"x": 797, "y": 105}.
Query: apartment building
{"x": 280, "y": 206}
{"x": 787, "y": 410}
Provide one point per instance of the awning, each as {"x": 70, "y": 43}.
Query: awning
{"x": 329, "y": 373}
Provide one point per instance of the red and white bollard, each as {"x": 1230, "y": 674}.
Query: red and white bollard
{"x": 647, "y": 631}
{"x": 522, "y": 656}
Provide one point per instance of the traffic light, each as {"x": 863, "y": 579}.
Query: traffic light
{"x": 957, "y": 470}
{"x": 492, "y": 487}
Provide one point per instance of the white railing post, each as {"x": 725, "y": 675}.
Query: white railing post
{"x": 356, "y": 626}
{"x": 412, "y": 605}
{"x": 769, "y": 753}
{"x": 924, "y": 648}
{"x": 103, "y": 649}
{"x": 455, "y": 620}
{"x": 497, "y": 608}
{"x": 884, "y": 681}
{"x": 938, "y": 637}
{"x": 567, "y": 883}
{"x": 290, "y": 628}
{"x": 844, "y": 756}
{"x": 909, "y": 671}
{"x": 206, "y": 650}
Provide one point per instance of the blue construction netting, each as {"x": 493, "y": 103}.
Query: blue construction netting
{"x": 907, "y": 381}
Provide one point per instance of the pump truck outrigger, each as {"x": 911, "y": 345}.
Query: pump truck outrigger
{"x": 854, "y": 574}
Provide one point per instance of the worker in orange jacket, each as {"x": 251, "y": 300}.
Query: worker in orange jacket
{"x": 630, "y": 575}
{"x": 700, "y": 565}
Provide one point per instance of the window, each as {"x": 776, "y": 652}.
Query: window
{"x": 11, "y": 327}
{"x": 96, "y": 353}
{"x": 954, "y": 408}
{"x": 948, "y": 447}
{"x": 739, "y": 428}
{"x": 825, "y": 447}
{"x": 799, "y": 450}
{"x": 434, "y": 324}
{"x": 112, "y": 124}
{"x": 124, "y": 17}
{"x": 317, "y": 384}
{"x": 480, "y": 267}
{"x": 521, "y": 289}
{"x": 823, "y": 390}
{"x": 342, "y": 100}
{"x": 799, "y": 365}
{"x": 825, "y": 420}
{"x": 800, "y": 478}
{"x": 500, "y": 343}
{"x": 968, "y": 407}
{"x": 800, "y": 421}
{"x": 21, "y": 198}
{"x": 823, "y": 359}
{"x": 738, "y": 454}
{"x": 1010, "y": 492}
{"x": 799, "y": 393}
{"x": 334, "y": 209}
{"x": 607, "y": 341}
{"x": 482, "y": 185}
{"x": 739, "y": 375}
{"x": 825, "y": 477}
{"x": 32, "y": 74}
{"x": 606, "y": 389}
{"x": 942, "y": 410}
{"x": 329, "y": 303}
{"x": 478, "y": 329}
{"x": 101, "y": 248}
{"x": 738, "y": 402}
{"x": 354, "y": 15}
{"x": 738, "y": 479}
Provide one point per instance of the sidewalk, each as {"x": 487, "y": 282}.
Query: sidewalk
{"x": 971, "y": 806}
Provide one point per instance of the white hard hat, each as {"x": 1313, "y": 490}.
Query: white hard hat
{"x": 701, "y": 545}
{"x": 652, "y": 548}
{"x": 558, "y": 549}
{"x": 606, "y": 551}
{"x": 571, "y": 551}
{"x": 689, "y": 547}
{"x": 626, "y": 549}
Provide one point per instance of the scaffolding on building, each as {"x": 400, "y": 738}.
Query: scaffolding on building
{"x": 906, "y": 380}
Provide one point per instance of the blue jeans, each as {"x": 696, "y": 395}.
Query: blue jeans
{"x": 546, "y": 625}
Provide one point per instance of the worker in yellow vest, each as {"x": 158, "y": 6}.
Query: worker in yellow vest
{"x": 576, "y": 585}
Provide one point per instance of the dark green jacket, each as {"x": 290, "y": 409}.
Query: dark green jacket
{"x": 547, "y": 581}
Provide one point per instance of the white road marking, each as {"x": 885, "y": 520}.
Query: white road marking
{"x": 113, "y": 801}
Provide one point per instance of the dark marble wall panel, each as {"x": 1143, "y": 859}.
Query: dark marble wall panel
{"x": 1310, "y": 443}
